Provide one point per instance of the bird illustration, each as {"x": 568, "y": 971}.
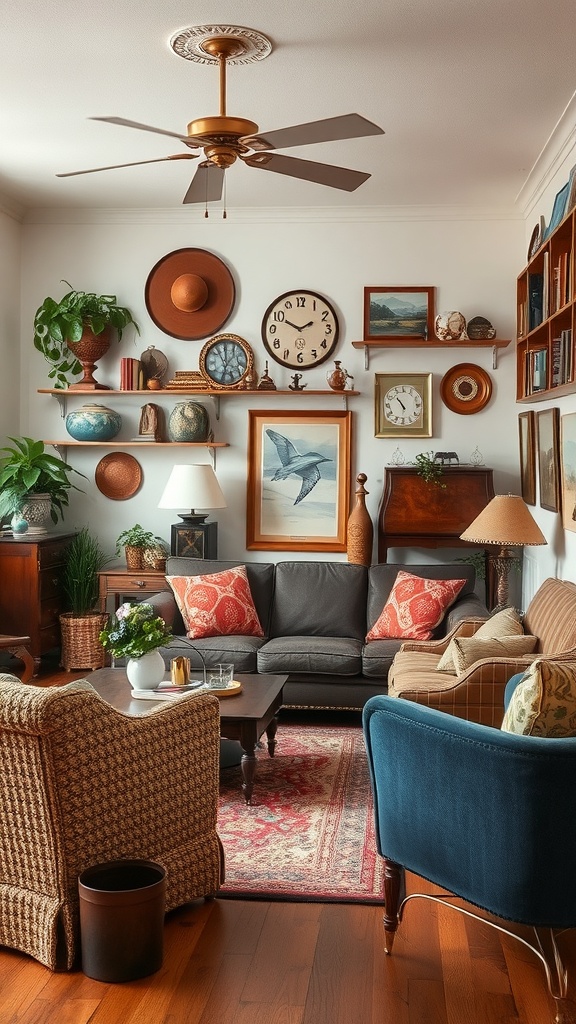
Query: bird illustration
{"x": 292, "y": 461}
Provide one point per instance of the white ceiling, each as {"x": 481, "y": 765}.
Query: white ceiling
{"x": 467, "y": 91}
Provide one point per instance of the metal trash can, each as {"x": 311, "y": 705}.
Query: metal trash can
{"x": 122, "y": 906}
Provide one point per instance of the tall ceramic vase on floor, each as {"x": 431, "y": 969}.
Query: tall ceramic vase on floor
{"x": 146, "y": 672}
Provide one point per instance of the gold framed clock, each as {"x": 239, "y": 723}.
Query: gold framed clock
{"x": 226, "y": 361}
{"x": 300, "y": 329}
{"x": 403, "y": 405}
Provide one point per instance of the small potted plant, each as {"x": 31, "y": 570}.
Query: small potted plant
{"x": 135, "y": 541}
{"x": 29, "y": 478}
{"x": 137, "y": 633}
{"x": 429, "y": 469}
{"x": 74, "y": 332}
{"x": 81, "y": 625}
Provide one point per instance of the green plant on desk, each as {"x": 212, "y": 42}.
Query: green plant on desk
{"x": 429, "y": 469}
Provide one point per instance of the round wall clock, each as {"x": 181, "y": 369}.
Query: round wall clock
{"x": 226, "y": 361}
{"x": 300, "y": 329}
{"x": 466, "y": 388}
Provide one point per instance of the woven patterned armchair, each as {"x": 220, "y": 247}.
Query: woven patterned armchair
{"x": 81, "y": 784}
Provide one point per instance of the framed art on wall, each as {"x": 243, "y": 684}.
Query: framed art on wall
{"x": 527, "y": 456}
{"x": 568, "y": 470}
{"x": 298, "y": 480}
{"x": 547, "y": 440}
{"x": 403, "y": 405}
{"x": 403, "y": 312}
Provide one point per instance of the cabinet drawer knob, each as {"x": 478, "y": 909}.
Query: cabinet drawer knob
{"x": 140, "y": 583}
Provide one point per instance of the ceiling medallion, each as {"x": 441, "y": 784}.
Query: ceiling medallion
{"x": 251, "y": 46}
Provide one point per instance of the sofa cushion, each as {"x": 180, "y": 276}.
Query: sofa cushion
{"x": 321, "y": 655}
{"x": 415, "y": 606}
{"x": 544, "y": 701}
{"x": 506, "y": 622}
{"x": 465, "y": 651}
{"x": 382, "y": 576}
{"x": 217, "y": 604}
{"x": 240, "y": 650}
{"x": 377, "y": 657}
{"x": 414, "y": 670}
{"x": 319, "y": 599}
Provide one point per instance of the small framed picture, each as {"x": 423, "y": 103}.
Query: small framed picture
{"x": 527, "y": 456}
{"x": 547, "y": 439}
{"x": 558, "y": 209}
{"x": 568, "y": 470}
{"x": 403, "y": 405}
{"x": 403, "y": 312}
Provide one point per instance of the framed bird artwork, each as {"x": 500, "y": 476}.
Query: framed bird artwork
{"x": 298, "y": 480}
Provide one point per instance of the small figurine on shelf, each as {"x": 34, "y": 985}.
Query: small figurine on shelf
{"x": 295, "y": 384}
{"x": 150, "y": 428}
{"x": 266, "y": 383}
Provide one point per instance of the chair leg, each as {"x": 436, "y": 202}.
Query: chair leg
{"x": 393, "y": 894}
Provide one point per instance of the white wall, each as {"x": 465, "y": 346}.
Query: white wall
{"x": 10, "y": 234}
{"x": 471, "y": 258}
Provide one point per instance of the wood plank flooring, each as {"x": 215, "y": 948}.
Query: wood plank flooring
{"x": 258, "y": 962}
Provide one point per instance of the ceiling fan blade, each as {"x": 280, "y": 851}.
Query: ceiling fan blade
{"x": 309, "y": 170}
{"x": 135, "y": 163}
{"x": 347, "y": 126}
{"x": 142, "y": 127}
{"x": 206, "y": 185}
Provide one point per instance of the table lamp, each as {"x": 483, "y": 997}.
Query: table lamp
{"x": 505, "y": 521}
{"x": 193, "y": 487}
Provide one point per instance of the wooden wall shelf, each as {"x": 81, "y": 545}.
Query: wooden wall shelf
{"x": 421, "y": 342}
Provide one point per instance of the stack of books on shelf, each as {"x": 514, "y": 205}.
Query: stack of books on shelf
{"x": 184, "y": 380}
{"x": 131, "y": 375}
{"x": 562, "y": 359}
{"x": 561, "y": 282}
{"x": 536, "y": 364}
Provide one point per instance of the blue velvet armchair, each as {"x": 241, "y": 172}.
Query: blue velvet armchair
{"x": 487, "y": 815}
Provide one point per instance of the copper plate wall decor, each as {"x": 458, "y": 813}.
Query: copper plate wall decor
{"x": 466, "y": 388}
{"x": 118, "y": 476}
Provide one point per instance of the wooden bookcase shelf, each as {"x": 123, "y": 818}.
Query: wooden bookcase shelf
{"x": 420, "y": 342}
{"x": 546, "y": 318}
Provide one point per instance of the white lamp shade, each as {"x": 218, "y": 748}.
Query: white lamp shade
{"x": 506, "y": 520}
{"x": 192, "y": 487}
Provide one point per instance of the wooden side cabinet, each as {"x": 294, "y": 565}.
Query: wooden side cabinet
{"x": 135, "y": 584}
{"x": 31, "y": 589}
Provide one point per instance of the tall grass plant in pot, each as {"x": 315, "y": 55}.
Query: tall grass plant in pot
{"x": 82, "y": 624}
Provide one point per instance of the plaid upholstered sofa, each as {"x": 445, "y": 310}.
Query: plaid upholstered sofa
{"x": 477, "y": 693}
{"x": 82, "y": 784}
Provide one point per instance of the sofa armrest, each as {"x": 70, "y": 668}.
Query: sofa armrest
{"x": 164, "y": 604}
{"x": 465, "y": 627}
{"x": 468, "y": 607}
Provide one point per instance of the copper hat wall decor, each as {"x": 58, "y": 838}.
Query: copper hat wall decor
{"x": 190, "y": 294}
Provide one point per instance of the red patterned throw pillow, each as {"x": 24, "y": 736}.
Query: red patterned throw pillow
{"x": 414, "y": 607}
{"x": 218, "y": 604}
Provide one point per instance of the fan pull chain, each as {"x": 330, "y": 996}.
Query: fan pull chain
{"x": 224, "y": 214}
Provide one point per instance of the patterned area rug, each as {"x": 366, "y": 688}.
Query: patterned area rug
{"x": 309, "y": 833}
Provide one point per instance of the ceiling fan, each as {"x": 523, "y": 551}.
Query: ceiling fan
{"x": 223, "y": 139}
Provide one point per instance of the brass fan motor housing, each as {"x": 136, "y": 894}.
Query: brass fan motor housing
{"x": 219, "y": 136}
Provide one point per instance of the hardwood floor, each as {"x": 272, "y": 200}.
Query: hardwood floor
{"x": 258, "y": 962}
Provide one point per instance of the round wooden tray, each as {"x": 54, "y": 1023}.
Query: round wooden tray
{"x": 232, "y": 690}
{"x": 466, "y": 388}
{"x": 118, "y": 476}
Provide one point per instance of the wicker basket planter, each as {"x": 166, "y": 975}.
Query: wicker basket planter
{"x": 134, "y": 557}
{"x": 81, "y": 647}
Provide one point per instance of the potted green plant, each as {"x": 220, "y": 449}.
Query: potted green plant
{"x": 75, "y": 331}
{"x": 137, "y": 633}
{"x": 29, "y": 473}
{"x": 81, "y": 625}
{"x": 429, "y": 469}
{"x": 135, "y": 541}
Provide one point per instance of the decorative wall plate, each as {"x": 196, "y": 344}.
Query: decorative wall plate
{"x": 466, "y": 388}
{"x": 118, "y": 476}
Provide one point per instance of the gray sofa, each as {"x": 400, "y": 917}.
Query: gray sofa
{"x": 315, "y": 617}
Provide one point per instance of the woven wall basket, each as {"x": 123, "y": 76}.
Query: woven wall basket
{"x": 81, "y": 647}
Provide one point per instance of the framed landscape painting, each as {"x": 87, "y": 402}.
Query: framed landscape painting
{"x": 402, "y": 312}
{"x": 547, "y": 435}
{"x": 527, "y": 456}
{"x": 568, "y": 469}
{"x": 298, "y": 492}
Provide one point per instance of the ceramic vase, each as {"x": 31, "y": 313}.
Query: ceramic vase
{"x": 90, "y": 348}
{"x": 36, "y": 511}
{"x": 337, "y": 378}
{"x": 360, "y": 531}
{"x": 93, "y": 422}
{"x": 146, "y": 672}
{"x": 189, "y": 422}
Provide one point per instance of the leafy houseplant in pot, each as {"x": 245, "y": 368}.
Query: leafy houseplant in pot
{"x": 136, "y": 541}
{"x": 29, "y": 473}
{"x": 82, "y": 624}
{"x": 136, "y": 633}
{"x": 74, "y": 332}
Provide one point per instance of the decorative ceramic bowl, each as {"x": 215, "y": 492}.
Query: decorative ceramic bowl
{"x": 450, "y": 326}
{"x": 93, "y": 423}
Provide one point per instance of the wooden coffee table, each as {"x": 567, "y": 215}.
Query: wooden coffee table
{"x": 244, "y": 717}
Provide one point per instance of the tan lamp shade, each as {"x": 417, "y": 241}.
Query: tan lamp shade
{"x": 506, "y": 520}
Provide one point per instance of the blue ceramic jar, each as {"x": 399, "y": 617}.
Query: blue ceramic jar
{"x": 93, "y": 423}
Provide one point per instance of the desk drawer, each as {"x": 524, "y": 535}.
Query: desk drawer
{"x": 138, "y": 583}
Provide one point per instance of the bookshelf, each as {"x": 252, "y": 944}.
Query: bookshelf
{"x": 546, "y": 318}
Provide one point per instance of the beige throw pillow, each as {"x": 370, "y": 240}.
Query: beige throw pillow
{"x": 464, "y": 651}
{"x": 505, "y": 623}
{"x": 544, "y": 702}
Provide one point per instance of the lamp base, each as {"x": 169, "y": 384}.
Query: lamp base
{"x": 193, "y": 538}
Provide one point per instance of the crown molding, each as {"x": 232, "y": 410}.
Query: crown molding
{"x": 557, "y": 148}
{"x": 288, "y": 215}
{"x": 11, "y": 208}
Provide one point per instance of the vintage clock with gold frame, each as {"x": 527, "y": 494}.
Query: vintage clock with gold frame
{"x": 403, "y": 405}
{"x": 226, "y": 361}
{"x": 300, "y": 329}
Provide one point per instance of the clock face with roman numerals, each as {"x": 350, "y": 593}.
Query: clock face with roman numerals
{"x": 300, "y": 329}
